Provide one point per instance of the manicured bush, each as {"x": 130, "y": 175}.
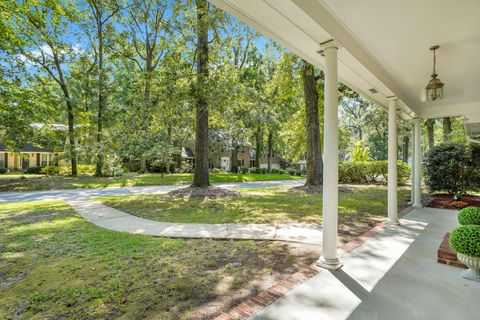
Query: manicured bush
{"x": 86, "y": 169}
{"x": 253, "y": 170}
{"x": 447, "y": 168}
{"x": 370, "y": 172}
{"x": 3, "y": 170}
{"x": 466, "y": 240}
{"x": 216, "y": 170}
{"x": 34, "y": 170}
{"x": 292, "y": 171}
{"x": 263, "y": 170}
{"x": 52, "y": 170}
{"x": 242, "y": 170}
{"x": 469, "y": 215}
{"x": 275, "y": 170}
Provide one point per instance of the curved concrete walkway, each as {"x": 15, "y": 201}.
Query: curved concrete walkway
{"x": 113, "y": 219}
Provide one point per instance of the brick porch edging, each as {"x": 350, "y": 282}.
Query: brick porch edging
{"x": 261, "y": 300}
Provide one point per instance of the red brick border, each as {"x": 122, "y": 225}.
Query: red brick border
{"x": 446, "y": 255}
{"x": 254, "y": 304}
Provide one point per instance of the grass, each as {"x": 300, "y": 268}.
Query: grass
{"x": 357, "y": 210}
{"x": 55, "y": 265}
{"x": 10, "y": 182}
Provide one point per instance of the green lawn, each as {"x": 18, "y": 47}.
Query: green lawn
{"x": 55, "y": 265}
{"x": 357, "y": 210}
{"x": 37, "y": 182}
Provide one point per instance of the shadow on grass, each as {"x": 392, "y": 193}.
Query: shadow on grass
{"x": 72, "y": 269}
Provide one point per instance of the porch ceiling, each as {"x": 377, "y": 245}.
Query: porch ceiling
{"x": 385, "y": 45}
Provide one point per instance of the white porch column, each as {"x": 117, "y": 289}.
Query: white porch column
{"x": 417, "y": 179}
{"x": 412, "y": 187}
{"x": 329, "y": 258}
{"x": 392, "y": 162}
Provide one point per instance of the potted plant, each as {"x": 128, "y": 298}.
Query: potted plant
{"x": 465, "y": 240}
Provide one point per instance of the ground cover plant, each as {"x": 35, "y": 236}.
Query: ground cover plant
{"x": 56, "y": 265}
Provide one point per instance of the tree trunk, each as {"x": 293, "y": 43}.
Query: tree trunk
{"x": 68, "y": 101}
{"x": 101, "y": 98}
{"x": 447, "y": 129}
{"x": 168, "y": 168}
{"x": 430, "y": 133}
{"x": 406, "y": 142}
{"x": 234, "y": 159}
{"x": 314, "y": 152}
{"x": 143, "y": 165}
{"x": 259, "y": 147}
{"x": 270, "y": 150}
{"x": 71, "y": 136}
{"x": 200, "y": 177}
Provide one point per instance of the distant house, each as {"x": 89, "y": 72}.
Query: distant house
{"x": 26, "y": 157}
{"x": 245, "y": 158}
{"x": 36, "y": 156}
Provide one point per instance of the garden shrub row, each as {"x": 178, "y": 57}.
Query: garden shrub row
{"x": 82, "y": 169}
{"x": 370, "y": 172}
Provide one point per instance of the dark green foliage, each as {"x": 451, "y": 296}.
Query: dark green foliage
{"x": 466, "y": 240}
{"x": 3, "y": 170}
{"x": 34, "y": 170}
{"x": 447, "y": 168}
{"x": 370, "y": 172}
{"x": 469, "y": 215}
{"x": 378, "y": 147}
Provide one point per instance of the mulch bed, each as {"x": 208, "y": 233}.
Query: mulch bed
{"x": 445, "y": 201}
{"x": 203, "y": 193}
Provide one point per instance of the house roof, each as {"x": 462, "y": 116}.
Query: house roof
{"x": 28, "y": 147}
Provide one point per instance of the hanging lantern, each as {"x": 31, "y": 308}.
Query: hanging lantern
{"x": 434, "y": 88}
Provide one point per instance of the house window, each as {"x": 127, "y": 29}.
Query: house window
{"x": 2, "y": 160}
{"x": 44, "y": 162}
{"x": 241, "y": 163}
{"x": 252, "y": 163}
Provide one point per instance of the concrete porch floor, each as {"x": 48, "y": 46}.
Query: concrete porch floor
{"x": 392, "y": 276}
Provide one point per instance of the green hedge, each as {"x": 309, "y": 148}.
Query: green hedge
{"x": 466, "y": 240}
{"x": 469, "y": 215}
{"x": 82, "y": 170}
{"x": 370, "y": 172}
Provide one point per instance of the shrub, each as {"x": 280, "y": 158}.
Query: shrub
{"x": 446, "y": 168}
{"x": 370, "y": 172}
{"x": 292, "y": 171}
{"x": 360, "y": 152}
{"x": 112, "y": 166}
{"x": 274, "y": 170}
{"x": 466, "y": 240}
{"x": 469, "y": 215}
{"x": 3, "y": 170}
{"x": 52, "y": 170}
{"x": 132, "y": 166}
{"x": 216, "y": 170}
{"x": 34, "y": 170}
{"x": 263, "y": 170}
{"x": 253, "y": 170}
{"x": 86, "y": 169}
